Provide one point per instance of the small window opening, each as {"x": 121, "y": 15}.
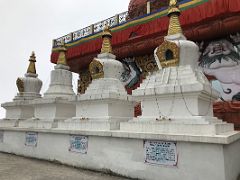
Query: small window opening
{"x": 169, "y": 55}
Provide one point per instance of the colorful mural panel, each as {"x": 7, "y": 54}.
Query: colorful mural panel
{"x": 221, "y": 59}
{"x": 131, "y": 74}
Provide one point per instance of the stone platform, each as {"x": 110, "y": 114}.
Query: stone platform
{"x": 127, "y": 153}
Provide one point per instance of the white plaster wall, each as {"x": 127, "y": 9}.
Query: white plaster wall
{"x": 189, "y": 53}
{"x": 196, "y": 161}
{"x": 175, "y": 105}
{"x": 121, "y": 109}
{"x": 65, "y": 110}
{"x": 42, "y": 111}
{"x": 105, "y": 108}
{"x": 19, "y": 112}
{"x": 87, "y": 109}
{"x": 232, "y": 161}
{"x": 54, "y": 111}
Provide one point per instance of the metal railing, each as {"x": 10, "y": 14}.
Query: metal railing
{"x": 113, "y": 21}
{"x": 92, "y": 29}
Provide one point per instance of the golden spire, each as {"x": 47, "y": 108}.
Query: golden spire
{"x": 31, "y": 67}
{"x": 106, "y": 44}
{"x": 174, "y": 13}
{"x": 62, "y": 55}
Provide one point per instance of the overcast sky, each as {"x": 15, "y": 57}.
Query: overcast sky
{"x": 31, "y": 25}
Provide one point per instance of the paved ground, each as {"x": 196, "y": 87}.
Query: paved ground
{"x": 19, "y": 168}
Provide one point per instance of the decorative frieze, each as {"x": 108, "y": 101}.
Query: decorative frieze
{"x": 147, "y": 64}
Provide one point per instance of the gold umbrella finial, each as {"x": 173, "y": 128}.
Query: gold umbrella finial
{"x": 62, "y": 55}
{"x": 106, "y": 44}
{"x": 31, "y": 67}
{"x": 174, "y": 23}
{"x": 173, "y": 3}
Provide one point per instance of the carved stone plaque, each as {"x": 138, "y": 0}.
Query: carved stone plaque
{"x": 160, "y": 152}
{"x": 31, "y": 139}
{"x": 78, "y": 144}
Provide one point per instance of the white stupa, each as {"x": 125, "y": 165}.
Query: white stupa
{"x": 29, "y": 89}
{"x": 61, "y": 78}
{"x": 105, "y": 103}
{"x": 56, "y": 105}
{"x": 178, "y": 98}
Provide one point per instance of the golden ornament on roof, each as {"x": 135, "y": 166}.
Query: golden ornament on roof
{"x": 20, "y": 85}
{"x": 31, "y": 67}
{"x": 96, "y": 69}
{"x": 174, "y": 23}
{"x": 106, "y": 44}
{"x": 168, "y": 54}
{"x": 62, "y": 55}
{"x": 173, "y": 3}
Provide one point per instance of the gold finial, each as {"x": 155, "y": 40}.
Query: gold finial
{"x": 31, "y": 67}
{"x": 62, "y": 55}
{"x": 106, "y": 44}
{"x": 174, "y": 13}
{"x": 173, "y": 3}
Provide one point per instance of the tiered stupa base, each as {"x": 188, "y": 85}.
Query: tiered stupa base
{"x": 16, "y": 111}
{"x": 177, "y": 100}
{"x": 48, "y": 112}
{"x": 104, "y": 105}
{"x": 57, "y": 103}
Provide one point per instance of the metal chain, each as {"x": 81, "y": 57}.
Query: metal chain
{"x": 166, "y": 117}
{"x": 187, "y": 107}
{"x": 161, "y": 116}
{"x": 144, "y": 92}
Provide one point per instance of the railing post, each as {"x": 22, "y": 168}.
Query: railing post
{"x": 63, "y": 41}
{"x": 117, "y": 19}
{"x": 53, "y": 43}
{"x": 71, "y": 37}
{"x": 92, "y": 29}
{"x": 148, "y": 7}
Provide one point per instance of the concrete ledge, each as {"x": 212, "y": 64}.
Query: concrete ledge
{"x": 226, "y": 138}
{"x": 130, "y": 154}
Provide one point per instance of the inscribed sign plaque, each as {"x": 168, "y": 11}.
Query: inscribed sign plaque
{"x": 78, "y": 144}
{"x": 31, "y": 139}
{"x": 160, "y": 152}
